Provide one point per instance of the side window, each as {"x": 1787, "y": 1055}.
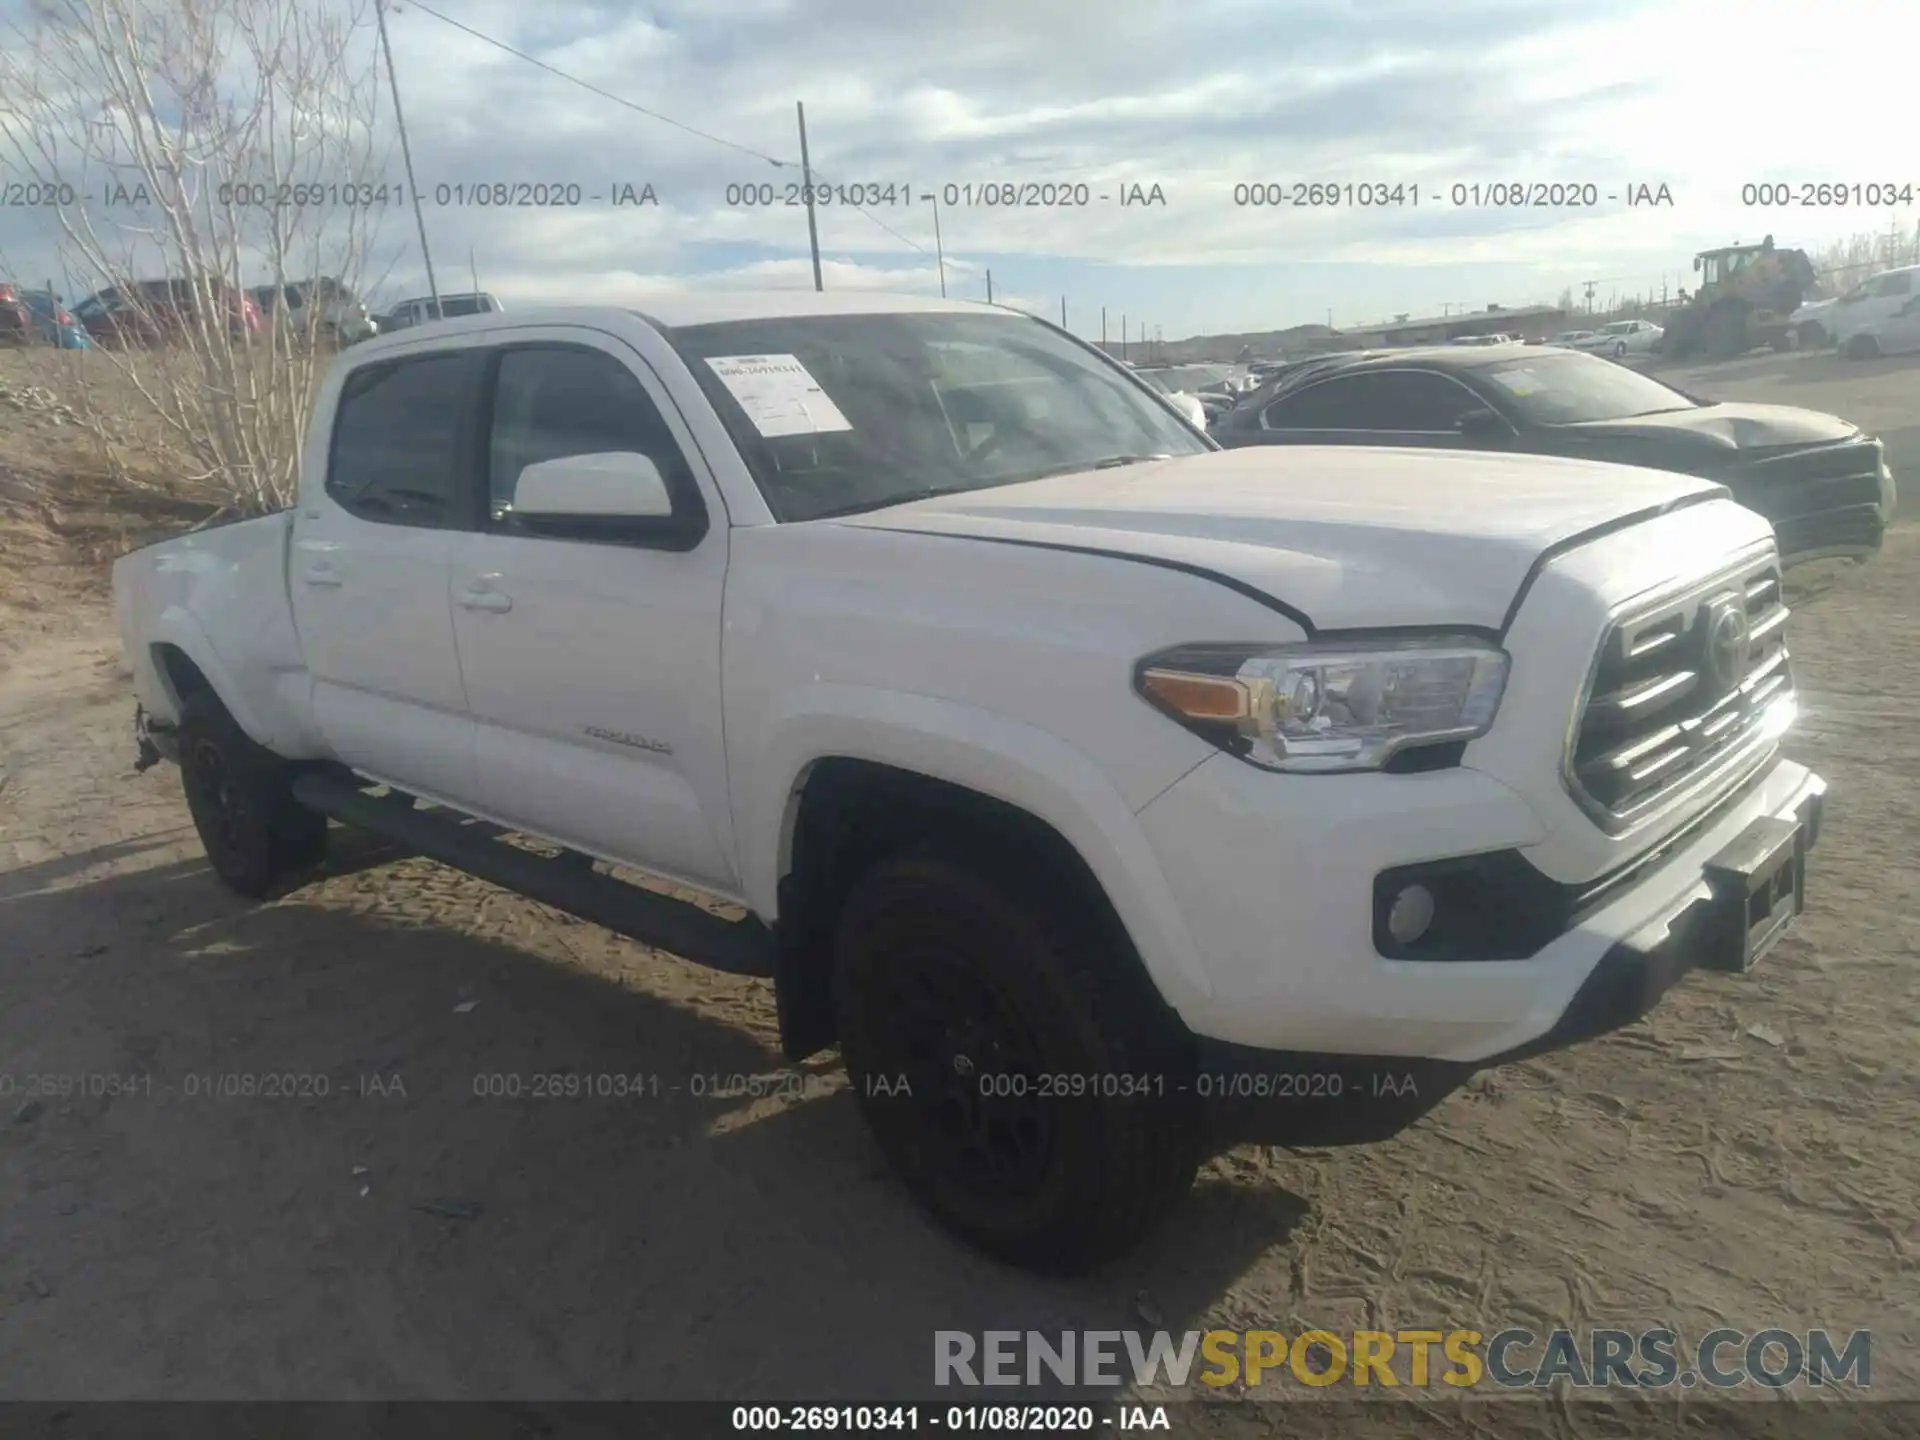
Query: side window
{"x": 552, "y": 401}
{"x": 1901, "y": 284}
{"x": 1335, "y": 404}
{"x": 398, "y": 451}
{"x": 1420, "y": 400}
{"x": 1388, "y": 400}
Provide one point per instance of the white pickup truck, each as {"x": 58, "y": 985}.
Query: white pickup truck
{"x": 1105, "y": 796}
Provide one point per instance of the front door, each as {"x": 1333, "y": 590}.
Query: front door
{"x": 592, "y": 658}
{"x": 368, "y": 572}
{"x": 1375, "y": 407}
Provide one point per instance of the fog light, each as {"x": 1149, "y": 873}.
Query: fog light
{"x": 1410, "y": 914}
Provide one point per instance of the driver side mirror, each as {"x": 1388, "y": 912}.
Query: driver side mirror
{"x": 614, "y": 485}
{"x": 1483, "y": 424}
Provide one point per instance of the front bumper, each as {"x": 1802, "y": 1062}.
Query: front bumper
{"x": 1825, "y": 502}
{"x": 1312, "y": 1035}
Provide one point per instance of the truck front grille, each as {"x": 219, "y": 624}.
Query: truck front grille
{"x": 1681, "y": 694}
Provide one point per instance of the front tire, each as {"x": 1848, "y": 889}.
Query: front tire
{"x": 241, "y": 798}
{"x": 1017, "y": 1069}
{"x": 1863, "y": 347}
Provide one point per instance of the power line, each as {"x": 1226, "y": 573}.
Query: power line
{"x": 588, "y": 85}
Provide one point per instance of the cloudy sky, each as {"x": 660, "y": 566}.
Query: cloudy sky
{"x": 1195, "y": 98}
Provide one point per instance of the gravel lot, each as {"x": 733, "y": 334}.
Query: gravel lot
{"x": 1748, "y": 1157}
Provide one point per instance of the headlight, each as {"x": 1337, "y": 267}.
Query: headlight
{"x": 1333, "y": 706}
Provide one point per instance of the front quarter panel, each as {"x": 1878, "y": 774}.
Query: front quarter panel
{"x": 1006, "y": 669}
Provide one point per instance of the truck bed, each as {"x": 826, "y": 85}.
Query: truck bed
{"x": 217, "y": 600}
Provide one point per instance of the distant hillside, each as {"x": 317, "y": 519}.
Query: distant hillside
{"x": 1261, "y": 345}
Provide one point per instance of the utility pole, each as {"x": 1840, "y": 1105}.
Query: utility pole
{"x": 806, "y": 179}
{"x": 939, "y": 250}
{"x": 406, "y": 155}
{"x": 1590, "y": 287}
{"x": 1063, "y": 312}
{"x": 473, "y": 270}
{"x": 989, "y": 287}
{"x": 1103, "y": 327}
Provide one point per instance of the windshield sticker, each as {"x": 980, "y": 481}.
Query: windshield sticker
{"x": 779, "y": 394}
{"x": 1519, "y": 382}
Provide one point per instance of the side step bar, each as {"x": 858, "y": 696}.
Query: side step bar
{"x": 567, "y": 882}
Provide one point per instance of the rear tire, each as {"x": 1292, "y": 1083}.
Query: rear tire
{"x": 1863, "y": 347}
{"x": 241, "y": 798}
{"x": 1048, "y": 1115}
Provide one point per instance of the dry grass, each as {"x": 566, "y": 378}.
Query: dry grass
{"x": 86, "y": 473}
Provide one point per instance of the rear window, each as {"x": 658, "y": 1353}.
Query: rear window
{"x": 457, "y": 305}
{"x": 398, "y": 437}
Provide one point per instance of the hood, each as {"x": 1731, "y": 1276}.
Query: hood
{"x": 1352, "y": 536}
{"x": 1813, "y": 309}
{"x": 1718, "y": 430}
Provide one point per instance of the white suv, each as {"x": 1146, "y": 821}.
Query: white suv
{"x": 1877, "y": 317}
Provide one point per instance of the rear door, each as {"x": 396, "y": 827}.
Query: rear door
{"x": 1377, "y": 407}
{"x": 368, "y": 570}
{"x": 1900, "y": 335}
{"x": 592, "y": 656}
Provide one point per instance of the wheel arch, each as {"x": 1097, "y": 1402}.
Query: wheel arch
{"x": 186, "y": 664}
{"x": 845, "y": 812}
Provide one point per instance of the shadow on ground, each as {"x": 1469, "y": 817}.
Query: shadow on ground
{"x": 390, "y": 1225}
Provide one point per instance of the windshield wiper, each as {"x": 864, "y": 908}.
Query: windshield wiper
{"x": 1111, "y": 462}
{"x": 929, "y": 492}
{"x": 905, "y": 497}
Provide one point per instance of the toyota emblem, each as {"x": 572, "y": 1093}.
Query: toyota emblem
{"x": 1729, "y": 641}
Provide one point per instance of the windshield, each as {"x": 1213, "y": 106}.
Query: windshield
{"x": 839, "y": 413}
{"x": 1568, "y": 388}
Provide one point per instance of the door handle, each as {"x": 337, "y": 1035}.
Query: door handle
{"x": 485, "y": 600}
{"x": 320, "y": 574}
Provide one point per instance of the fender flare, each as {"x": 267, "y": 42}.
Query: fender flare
{"x": 176, "y": 626}
{"x": 1007, "y": 760}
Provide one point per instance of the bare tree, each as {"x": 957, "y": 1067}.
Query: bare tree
{"x": 1843, "y": 264}
{"x": 192, "y": 146}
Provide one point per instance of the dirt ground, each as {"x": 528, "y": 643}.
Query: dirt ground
{"x": 1747, "y": 1158}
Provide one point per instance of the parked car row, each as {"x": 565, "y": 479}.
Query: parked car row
{"x": 152, "y": 313}
{"x": 36, "y": 317}
{"x": 1823, "y": 483}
